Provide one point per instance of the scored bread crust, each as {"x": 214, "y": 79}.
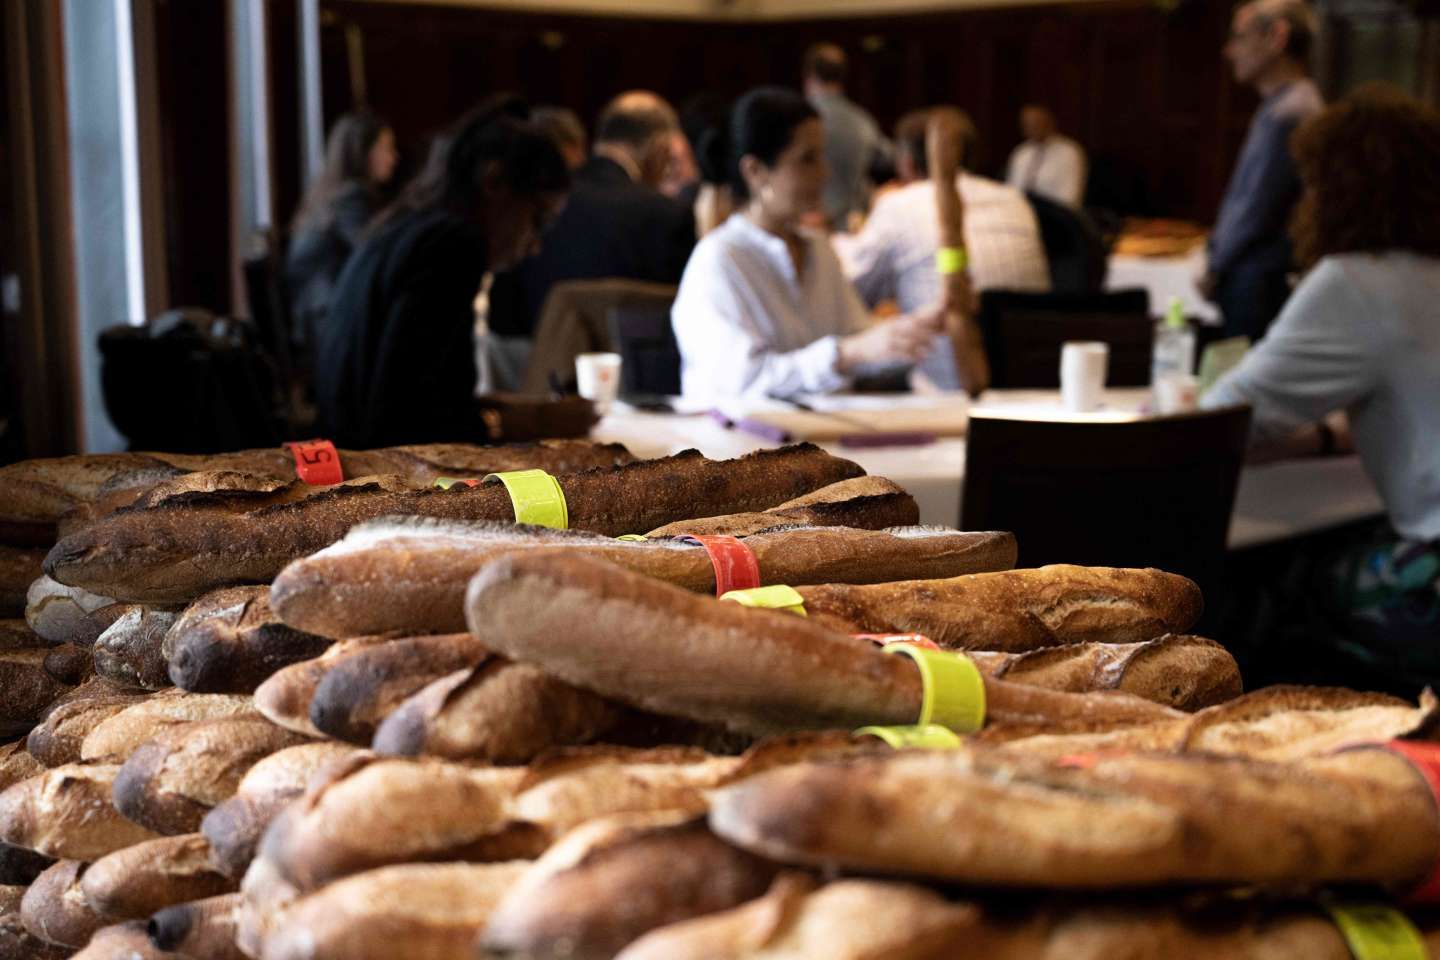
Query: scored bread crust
{"x": 230, "y": 641}
{"x": 17, "y": 943}
{"x": 55, "y": 909}
{"x": 129, "y": 651}
{"x": 284, "y": 699}
{"x": 117, "y": 736}
{"x": 136, "y": 881}
{"x": 67, "y": 813}
{"x": 865, "y": 503}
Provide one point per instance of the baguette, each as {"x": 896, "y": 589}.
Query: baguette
{"x": 611, "y": 880}
{"x": 234, "y": 827}
{"x": 285, "y": 698}
{"x": 1184, "y": 672}
{"x": 16, "y": 634}
{"x": 982, "y": 817}
{"x": 499, "y": 711}
{"x": 409, "y": 575}
{"x": 265, "y": 898}
{"x": 1016, "y": 610}
{"x": 170, "y": 783}
{"x": 176, "y": 551}
{"x": 129, "y": 651}
{"x": 118, "y": 736}
{"x": 361, "y": 689}
{"x": 201, "y": 928}
{"x": 17, "y": 943}
{"x": 59, "y": 738}
{"x": 413, "y": 910}
{"x": 229, "y": 641}
{"x": 122, "y": 941}
{"x": 865, "y": 503}
{"x": 26, "y": 690}
{"x": 662, "y": 649}
{"x": 135, "y": 882}
{"x": 19, "y": 567}
{"x": 55, "y": 909}
{"x": 66, "y": 813}
{"x": 71, "y": 663}
{"x": 63, "y": 614}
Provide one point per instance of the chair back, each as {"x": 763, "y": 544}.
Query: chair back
{"x": 1024, "y": 331}
{"x": 1146, "y": 493}
{"x": 576, "y": 320}
{"x": 1073, "y": 245}
{"x": 650, "y": 357}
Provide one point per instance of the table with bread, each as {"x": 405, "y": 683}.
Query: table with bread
{"x": 558, "y": 701}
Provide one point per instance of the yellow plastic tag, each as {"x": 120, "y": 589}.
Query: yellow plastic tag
{"x": 928, "y": 737}
{"x": 537, "y": 498}
{"x": 954, "y": 688}
{"x": 776, "y": 597}
{"x": 950, "y": 260}
{"x": 1377, "y": 931}
{"x": 633, "y": 537}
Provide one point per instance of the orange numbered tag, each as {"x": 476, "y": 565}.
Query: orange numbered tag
{"x": 317, "y": 462}
{"x": 885, "y": 639}
{"x": 734, "y": 563}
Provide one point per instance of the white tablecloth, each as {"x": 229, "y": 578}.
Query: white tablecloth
{"x": 1164, "y": 277}
{"x": 1274, "y": 502}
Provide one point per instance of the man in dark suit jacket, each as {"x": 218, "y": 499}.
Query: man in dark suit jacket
{"x": 616, "y": 222}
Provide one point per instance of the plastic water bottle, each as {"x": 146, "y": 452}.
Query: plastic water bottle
{"x": 1172, "y": 367}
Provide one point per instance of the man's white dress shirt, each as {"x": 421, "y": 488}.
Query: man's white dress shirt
{"x": 1053, "y": 169}
{"x": 748, "y": 325}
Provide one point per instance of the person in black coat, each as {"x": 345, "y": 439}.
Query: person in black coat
{"x": 396, "y": 362}
{"x": 344, "y": 197}
{"x": 616, "y": 224}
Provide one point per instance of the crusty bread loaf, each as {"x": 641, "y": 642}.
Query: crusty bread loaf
{"x": 200, "y": 928}
{"x": 265, "y": 898}
{"x": 985, "y": 817}
{"x": 17, "y": 943}
{"x": 26, "y": 690}
{"x": 499, "y": 711}
{"x": 58, "y": 738}
{"x": 64, "y": 614}
{"x": 234, "y": 827}
{"x": 17, "y": 764}
{"x": 362, "y": 688}
{"x": 409, "y": 575}
{"x": 136, "y": 881}
{"x": 123, "y": 941}
{"x": 66, "y": 812}
{"x": 18, "y": 866}
{"x": 414, "y": 910}
{"x": 865, "y": 503}
{"x": 55, "y": 909}
{"x": 844, "y": 920}
{"x": 285, "y": 698}
{"x": 171, "y": 782}
{"x": 19, "y": 567}
{"x": 129, "y": 651}
{"x": 372, "y": 812}
{"x": 176, "y": 551}
{"x": 1180, "y": 671}
{"x": 611, "y": 880}
{"x": 70, "y": 663}
{"x": 16, "y": 634}
{"x": 1016, "y": 610}
{"x": 669, "y": 651}
{"x": 229, "y": 641}
{"x": 118, "y": 736}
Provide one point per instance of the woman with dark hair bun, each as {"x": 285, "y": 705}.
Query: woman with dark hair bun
{"x": 1361, "y": 336}
{"x": 396, "y": 362}
{"x": 764, "y": 308}
{"x": 360, "y": 160}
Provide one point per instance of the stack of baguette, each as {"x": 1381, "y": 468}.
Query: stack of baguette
{"x": 379, "y": 720}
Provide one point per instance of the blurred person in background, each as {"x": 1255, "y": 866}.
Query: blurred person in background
{"x": 396, "y": 362}
{"x": 764, "y": 308}
{"x": 1047, "y": 163}
{"x": 705, "y": 119}
{"x": 360, "y": 161}
{"x": 893, "y": 256}
{"x": 852, "y": 138}
{"x": 565, "y": 128}
{"x": 1250, "y": 257}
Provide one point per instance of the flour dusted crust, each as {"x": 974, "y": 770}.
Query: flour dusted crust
{"x": 66, "y": 812}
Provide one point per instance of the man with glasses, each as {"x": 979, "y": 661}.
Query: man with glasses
{"x": 1250, "y": 256}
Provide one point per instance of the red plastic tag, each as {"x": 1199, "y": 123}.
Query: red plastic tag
{"x": 885, "y": 639}
{"x": 1425, "y": 758}
{"x": 317, "y": 462}
{"x": 445, "y": 483}
{"x": 735, "y": 565}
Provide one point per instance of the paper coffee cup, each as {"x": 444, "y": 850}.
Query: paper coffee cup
{"x": 597, "y": 377}
{"x": 1083, "y": 367}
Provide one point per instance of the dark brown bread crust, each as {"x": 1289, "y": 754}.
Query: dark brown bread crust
{"x": 1016, "y": 610}
{"x": 176, "y": 551}
{"x": 229, "y": 641}
{"x": 26, "y": 690}
{"x": 409, "y": 576}
{"x": 17, "y": 943}
{"x": 58, "y": 738}
{"x": 19, "y": 567}
{"x": 55, "y": 909}
{"x": 129, "y": 651}
{"x": 865, "y": 503}
{"x": 71, "y": 663}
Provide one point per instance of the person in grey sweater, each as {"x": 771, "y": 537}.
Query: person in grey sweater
{"x": 1361, "y": 336}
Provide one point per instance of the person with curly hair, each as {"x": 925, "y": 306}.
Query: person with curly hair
{"x": 1361, "y": 336}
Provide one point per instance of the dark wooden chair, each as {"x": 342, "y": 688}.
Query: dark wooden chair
{"x": 1145, "y": 493}
{"x": 650, "y": 357}
{"x": 1023, "y": 333}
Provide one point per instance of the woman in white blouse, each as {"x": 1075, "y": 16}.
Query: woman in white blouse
{"x": 764, "y": 308}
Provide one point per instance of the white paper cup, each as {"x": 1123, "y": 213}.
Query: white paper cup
{"x": 1177, "y": 393}
{"x": 597, "y": 377}
{"x": 1083, "y": 367}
